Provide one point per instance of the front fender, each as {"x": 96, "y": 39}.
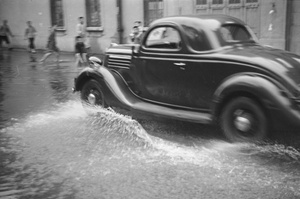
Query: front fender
{"x": 115, "y": 89}
{"x": 84, "y": 76}
{"x": 271, "y": 95}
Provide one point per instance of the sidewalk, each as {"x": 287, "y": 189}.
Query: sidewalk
{"x": 35, "y": 57}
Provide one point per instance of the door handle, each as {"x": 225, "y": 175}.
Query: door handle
{"x": 179, "y": 64}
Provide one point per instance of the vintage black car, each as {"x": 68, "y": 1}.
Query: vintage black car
{"x": 207, "y": 69}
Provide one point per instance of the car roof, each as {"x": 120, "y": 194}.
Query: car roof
{"x": 200, "y": 19}
{"x": 209, "y": 23}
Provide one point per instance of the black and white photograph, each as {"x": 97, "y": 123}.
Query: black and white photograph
{"x": 149, "y": 99}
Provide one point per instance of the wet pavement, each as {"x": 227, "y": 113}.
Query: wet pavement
{"x": 50, "y": 148}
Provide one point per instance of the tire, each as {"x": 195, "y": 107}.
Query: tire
{"x": 243, "y": 120}
{"x": 92, "y": 95}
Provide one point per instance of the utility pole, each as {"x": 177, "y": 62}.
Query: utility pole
{"x": 120, "y": 21}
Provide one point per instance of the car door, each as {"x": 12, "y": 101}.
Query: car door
{"x": 160, "y": 66}
{"x": 174, "y": 72}
{"x": 198, "y": 71}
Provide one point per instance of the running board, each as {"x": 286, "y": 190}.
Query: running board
{"x": 185, "y": 115}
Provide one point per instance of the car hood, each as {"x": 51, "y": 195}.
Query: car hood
{"x": 283, "y": 63}
{"x": 125, "y": 49}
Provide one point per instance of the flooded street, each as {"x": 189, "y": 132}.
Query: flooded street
{"x": 50, "y": 148}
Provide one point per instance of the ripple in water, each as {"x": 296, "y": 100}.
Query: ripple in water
{"x": 64, "y": 153}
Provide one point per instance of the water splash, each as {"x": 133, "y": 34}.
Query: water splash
{"x": 63, "y": 151}
{"x": 117, "y": 122}
{"x": 265, "y": 149}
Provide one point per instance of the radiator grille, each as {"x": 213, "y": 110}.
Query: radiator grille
{"x": 119, "y": 61}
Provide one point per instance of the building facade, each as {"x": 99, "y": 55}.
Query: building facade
{"x": 110, "y": 21}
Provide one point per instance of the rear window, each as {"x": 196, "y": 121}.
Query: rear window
{"x": 232, "y": 33}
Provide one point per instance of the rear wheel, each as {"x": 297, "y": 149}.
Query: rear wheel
{"x": 243, "y": 120}
{"x": 92, "y": 95}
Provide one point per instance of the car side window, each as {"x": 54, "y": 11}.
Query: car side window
{"x": 163, "y": 37}
{"x": 196, "y": 38}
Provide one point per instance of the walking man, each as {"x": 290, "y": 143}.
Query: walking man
{"x": 137, "y": 32}
{"x": 80, "y": 28}
{"x": 4, "y": 34}
{"x": 81, "y": 31}
{"x": 30, "y": 33}
{"x": 51, "y": 45}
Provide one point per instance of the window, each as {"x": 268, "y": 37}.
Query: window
{"x": 196, "y": 38}
{"x": 163, "y": 37}
{"x": 57, "y": 15}
{"x": 153, "y": 9}
{"x": 234, "y": 1}
{"x": 235, "y": 33}
{"x": 201, "y": 2}
{"x": 217, "y": 2}
{"x": 201, "y": 6}
{"x": 217, "y": 6}
{"x": 251, "y": 1}
{"x": 93, "y": 13}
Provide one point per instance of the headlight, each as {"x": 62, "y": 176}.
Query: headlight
{"x": 95, "y": 62}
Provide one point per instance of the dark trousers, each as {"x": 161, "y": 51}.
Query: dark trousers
{"x": 4, "y": 39}
{"x": 31, "y": 43}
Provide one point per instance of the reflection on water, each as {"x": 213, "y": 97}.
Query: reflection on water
{"x": 28, "y": 86}
{"x": 64, "y": 153}
{"x": 1, "y": 99}
{"x": 59, "y": 84}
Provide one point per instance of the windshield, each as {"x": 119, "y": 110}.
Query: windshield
{"x": 233, "y": 33}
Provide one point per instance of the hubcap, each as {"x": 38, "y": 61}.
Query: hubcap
{"x": 92, "y": 99}
{"x": 242, "y": 121}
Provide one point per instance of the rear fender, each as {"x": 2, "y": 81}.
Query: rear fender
{"x": 270, "y": 94}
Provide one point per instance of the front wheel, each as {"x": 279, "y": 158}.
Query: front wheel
{"x": 243, "y": 120}
{"x": 92, "y": 95}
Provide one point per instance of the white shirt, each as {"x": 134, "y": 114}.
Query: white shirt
{"x": 81, "y": 30}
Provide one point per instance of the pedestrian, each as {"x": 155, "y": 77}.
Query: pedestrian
{"x": 4, "y": 34}
{"x": 30, "y": 34}
{"x": 80, "y": 27}
{"x": 136, "y": 35}
{"x": 51, "y": 45}
{"x": 137, "y": 32}
{"x": 139, "y": 25}
{"x": 80, "y": 51}
{"x": 81, "y": 31}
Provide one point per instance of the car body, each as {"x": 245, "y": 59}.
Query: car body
{"x": 203, "y": 68}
